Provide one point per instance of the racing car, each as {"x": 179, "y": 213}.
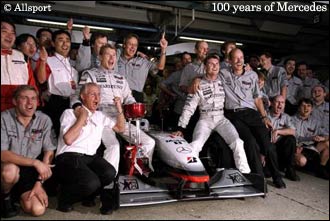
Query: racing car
{"x": 180, "y": 175}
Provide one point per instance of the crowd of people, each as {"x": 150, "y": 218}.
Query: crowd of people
{"x": 60, "y": 118}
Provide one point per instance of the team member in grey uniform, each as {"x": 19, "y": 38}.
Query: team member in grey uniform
{"x": 113, "y": 85}
{"x": 135, "y": 69}
{"x": 226, "y": 49}
{"x": 276, "y": 83}
{"x": 210, "y": 99}
{"x": 242, "y": 101}
{"x": 310, "y": 137}
{"x": 26, "y": 134}
{"x": 321, "y": 107}
{"x": 194, "y": 69}
{"x": 283, "y": 136}
{"x": 88, "y": 51}
{"x": 294, "y": 87}
{"x": 308, "y": 83}
{"x": 171, "y": 87}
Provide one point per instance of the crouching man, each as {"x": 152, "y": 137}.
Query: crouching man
{"x": 210, "y": 99}
{"x": 27, "y": 149}
{"x": 82, "y": 173}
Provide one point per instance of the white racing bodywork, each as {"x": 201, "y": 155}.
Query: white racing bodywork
{"x": 177, "y": 153}
{"x": 186, "y": 178}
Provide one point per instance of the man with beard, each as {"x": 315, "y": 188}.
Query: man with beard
{"x": 244, "y": 108}
{"x": 283, "y": 136}
{"x": 294, "y": 87}
{"x": 60, "y": 76}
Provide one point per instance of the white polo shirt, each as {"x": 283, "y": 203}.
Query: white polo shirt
{"x": 61, "y": 76}
{"x": 90, "y": 136}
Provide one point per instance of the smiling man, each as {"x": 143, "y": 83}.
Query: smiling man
{"x": 25, "y": 135}
{"x": 210, "y": 100}
{"x": 14, "y": 69}
{"x": 60, "y": 76}
{"x": 244, "y": 108}
{"x": 82, "y": 172}
{"x": 283, "y": 136}
{"x": 113, "y": 85}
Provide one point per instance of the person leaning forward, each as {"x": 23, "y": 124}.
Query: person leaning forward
{"x": 82, "y": 173}
{"x": 25, "y": 135}
{"x": 244, "y": 108}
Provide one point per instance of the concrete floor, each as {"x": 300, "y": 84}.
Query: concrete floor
{"x": 304, "y": 200}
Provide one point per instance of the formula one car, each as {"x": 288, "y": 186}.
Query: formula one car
{"x": 180, "y": 176}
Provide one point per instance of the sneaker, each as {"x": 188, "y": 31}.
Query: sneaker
{"x": 290, "y": 173}
{"x": 279, "y": 183}
{"x": 8, "y": 209}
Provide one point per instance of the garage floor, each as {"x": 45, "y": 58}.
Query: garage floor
{"x": 305, "y": 200}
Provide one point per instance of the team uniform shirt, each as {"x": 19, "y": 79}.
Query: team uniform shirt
{"x": 172, "y": 82}
{"x": 241, "y": 91}
{"x": 284, "y": 121}
{"x": 136, "y": 71}
{"x": 14, "y": 72}
{"x": 30, "y": 141}
{"x": 191, "y": 71}
{"x": 265, "y": 99}
{"x": 294, "y": 87}
{"x": 111, "y": 84}
{"x": 326, "y": 84}
{"x": 306, "y": 129}
{"x": 307, "y": 87}
{"x": 88, "y": 60}
{"x": 62, "y": 77}
{"x": 90, "y": 136}
{"x": 225, "y": 64}
{"x": 276, "y": 79}
{"x": 210, "y": 99}
{"x": 321, "y": 114}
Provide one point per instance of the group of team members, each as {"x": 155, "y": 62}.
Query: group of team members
{"x": 81, "y": 107}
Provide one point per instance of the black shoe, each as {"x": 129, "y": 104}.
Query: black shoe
{"x": 322, "y": 172}
{"x": 64, "y": 208}
{"x": 8, "y": 209}
{"x": 279, "y": 183}
{"x": 106, "y": 210}
{"x": 107, "y": 197}
{"x": 88, "y": 202}
{"x": 290, "y": 173}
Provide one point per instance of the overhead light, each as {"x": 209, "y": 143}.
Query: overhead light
{"x": 207, "y": 40}
{"x": 64, "y": 24}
